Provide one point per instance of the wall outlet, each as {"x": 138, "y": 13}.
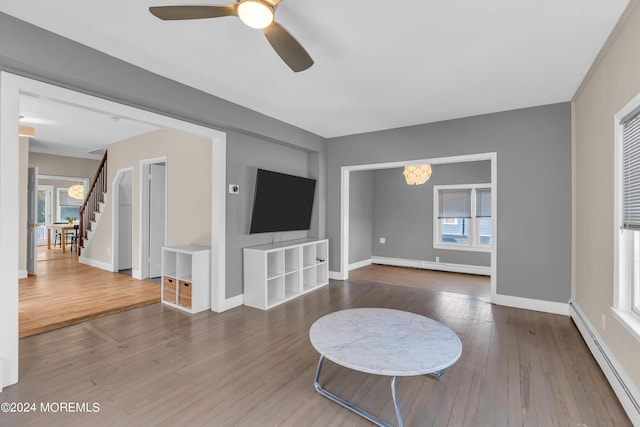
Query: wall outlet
{"x": 437, "y": 259}
{"x": 603, "y": 319}
{"x": 234, "y": 189}
{"x": 383, "y": 240}
{"x": 108, "y": 251}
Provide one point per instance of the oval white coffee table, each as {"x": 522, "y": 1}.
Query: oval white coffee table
{"x": 384, "y": 342}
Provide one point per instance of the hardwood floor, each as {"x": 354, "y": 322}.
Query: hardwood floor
{"x": 467, "y": 284}
{"x": 44, "y": 254}
{"x": 245, "y": 367}
{"x": 66, "y": 292}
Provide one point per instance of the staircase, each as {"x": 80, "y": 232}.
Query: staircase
{"x": 93, "y": 204}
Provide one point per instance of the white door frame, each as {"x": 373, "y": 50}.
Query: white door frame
{"x": 48, "y": 189}
{"x": 343, "y": 274}
{"x": 145, "y": 168}
{"x": 11, "y": 87}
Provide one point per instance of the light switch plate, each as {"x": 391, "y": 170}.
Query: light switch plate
{"x": 234, "y": 189}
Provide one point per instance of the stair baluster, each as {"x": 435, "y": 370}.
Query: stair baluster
{"x": 91, "y": 204}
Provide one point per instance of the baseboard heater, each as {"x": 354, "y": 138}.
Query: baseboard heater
{"x": 429, "y": 265}
{"x": 621, "y": 384}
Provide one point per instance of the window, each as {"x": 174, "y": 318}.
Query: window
{"x": 45, "y": 195}
{"x": 627, "y": 281}
{"x": 67, "y": 206}
{"x": 462, "y": 217}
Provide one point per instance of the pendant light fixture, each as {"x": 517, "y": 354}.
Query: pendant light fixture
{"x": 417, "y": 174}
{"x": 76, "y": 192}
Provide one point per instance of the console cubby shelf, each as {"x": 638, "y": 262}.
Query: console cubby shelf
{"x": 276, "y": 273}
{"x": 186, "y": 278}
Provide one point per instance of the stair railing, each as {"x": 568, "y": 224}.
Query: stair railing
{"x": 92, "y": 200}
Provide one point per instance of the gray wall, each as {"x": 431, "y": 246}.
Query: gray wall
{"x": 33, "y": 52}
{"x": 245, "y": 155}
{"x": 533, "y": 148}
{"x": 62, "y": 166}
{"x": 403, "y": 214}
{"x": 360, "y": 215}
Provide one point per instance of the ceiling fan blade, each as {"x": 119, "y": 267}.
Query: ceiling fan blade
{"x": 288, "y": 48}
{"x": 170, "y": 13}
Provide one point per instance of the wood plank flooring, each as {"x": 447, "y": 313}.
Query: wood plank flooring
{"x": 467, "y": 284}
{"x": 158, "y": 366}
{"x": 44, "y": 254}
{"x": 66, "y": 292}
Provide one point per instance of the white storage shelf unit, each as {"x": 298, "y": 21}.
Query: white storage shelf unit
{"x": 278, "y": 272}
{"x": 186, "y": 278}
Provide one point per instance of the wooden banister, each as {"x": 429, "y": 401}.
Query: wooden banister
{"x": 92, "y": 200}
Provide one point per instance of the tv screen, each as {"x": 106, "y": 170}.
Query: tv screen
{"x": 281, "y": 202}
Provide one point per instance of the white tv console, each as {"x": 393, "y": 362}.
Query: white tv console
{"x": 278, "y": 272}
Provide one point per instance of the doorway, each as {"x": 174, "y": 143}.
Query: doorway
{"x": 11, "y": 88}
{"x": 154, "y": 215}
{"x": 343, "y": 274}
{"x": 123, "y": 221}
{"x": 54, "y": 205}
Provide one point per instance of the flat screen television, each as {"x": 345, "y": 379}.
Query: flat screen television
{"x": 281, "y": 202}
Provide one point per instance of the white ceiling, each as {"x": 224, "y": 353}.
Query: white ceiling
{"x": 70, "y": 130}
{"x": 378, "y": 64}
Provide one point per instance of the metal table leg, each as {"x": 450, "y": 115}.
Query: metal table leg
{"x": 340, "y": 401}
{"x": 437, "y": 374}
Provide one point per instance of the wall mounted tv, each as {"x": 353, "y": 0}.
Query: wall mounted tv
{"x": 281, "y": 202}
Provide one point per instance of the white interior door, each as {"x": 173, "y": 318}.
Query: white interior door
{"x": 32, "y": 220}
{"x": 157, "y": 219}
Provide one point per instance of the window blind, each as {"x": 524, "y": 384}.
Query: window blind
{"x": 631, "y": 173}
{"x": 454, "y": 203}
{"x": 483, "y": 203}
{"x": 65, "y": 200}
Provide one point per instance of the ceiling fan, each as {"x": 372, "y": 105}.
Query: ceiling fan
{"x": 258, "y": 14}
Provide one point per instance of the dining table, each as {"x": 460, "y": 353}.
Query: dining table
{"x": 62, "y": 229}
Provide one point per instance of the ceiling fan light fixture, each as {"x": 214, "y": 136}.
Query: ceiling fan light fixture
{"x": 255, "y": 14}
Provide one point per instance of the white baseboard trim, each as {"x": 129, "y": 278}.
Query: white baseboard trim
{"x": 337, "y": 275}
{"x": 230, "y": 303}
{"x": 531, "y": 304}
{"x": 428, "y": 265}
{"x": 23, "y": 274}
{"x": 136, "y": 274}
{"x": 623, "y": 387}
{"x": 97, "y": 264}
{"x": 359, "y": 264}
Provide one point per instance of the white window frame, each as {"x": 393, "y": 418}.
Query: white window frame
{"x": 474, "y": 222}
{"x": 58, "y": 205}
{"x": 626, "y": 275}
